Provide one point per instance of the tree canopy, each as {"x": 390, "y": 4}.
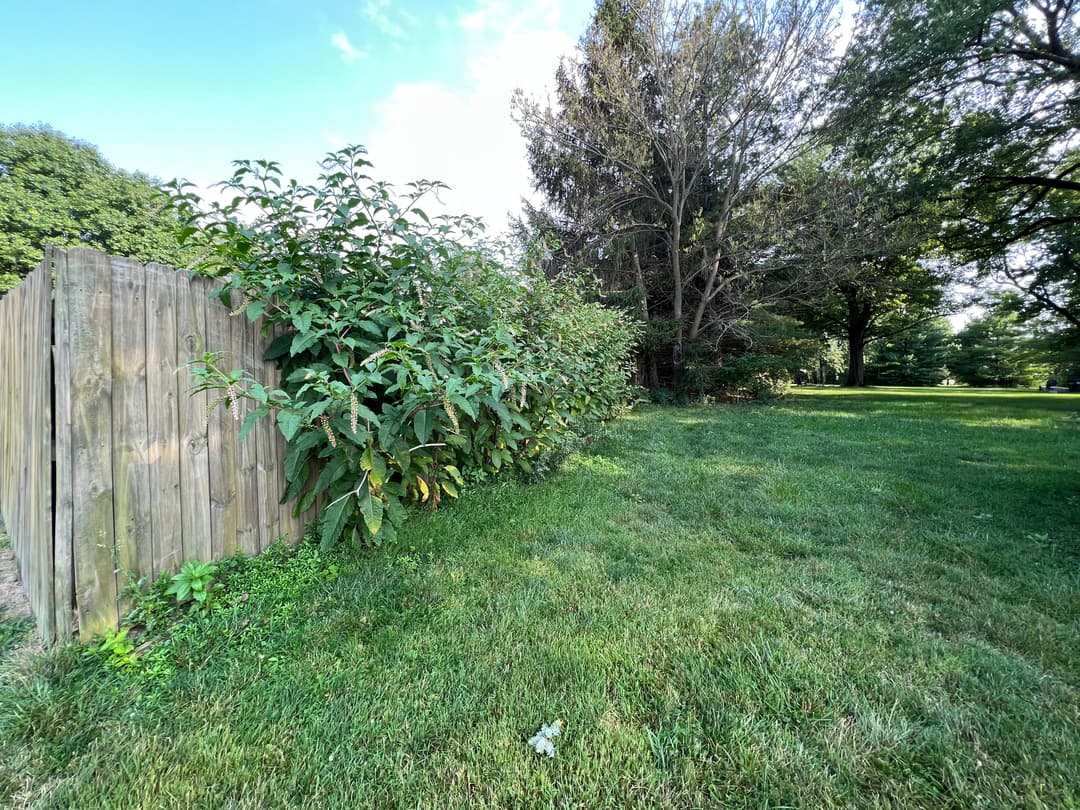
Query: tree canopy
{"x": 978, "y": 104}
{"x": 55, "y": 190}
{"x": 662, "y": 152}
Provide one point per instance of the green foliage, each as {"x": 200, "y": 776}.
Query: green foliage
{"x": 997, "y": 350}
{"x": 918, "y": 356}
{"x": 413, "y": 351}
{"x": 13, "y": 631}
{"x": 56, "y": 191}
{"x": 194, "y": 583}
{"x": 755, "y": 377}
{"x": 659, "y": 158}
{"x": 115, "y": 650}
{"x": 742, "y": 377}
{"x": 973, "y": 104}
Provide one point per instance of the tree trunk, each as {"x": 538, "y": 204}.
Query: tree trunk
{"x": 676, "y": 277}
{"x": 652, "y": 373}
{"x": 860, "y": 313}
{"x": 856, "y": 372}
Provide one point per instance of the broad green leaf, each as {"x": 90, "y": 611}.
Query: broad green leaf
{"x": 303, "y": 341}
{"x": 371, "y": 508}
{"x": 422, "y": 425}
{"x": 254, "y": 310}
{"x": 289, "y": 422}
{"x": 334, "y": 521}
{"x": 278, "y": 347}
{"x": 249, "y": 421}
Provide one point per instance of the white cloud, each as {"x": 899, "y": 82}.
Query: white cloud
{"x": 348, "y": 52}
{"x": 376, "y": 11}
{"x": 464, "y": 136}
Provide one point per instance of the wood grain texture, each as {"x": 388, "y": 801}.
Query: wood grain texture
{"x": 264, "y": 432}
{"x": 163, "y": 422}
{"x": 247, "y": 454}
{"x": 90, "y": 338}
{"x": 222, "y": 439}
{"x": 130, "y": 427}
{"x": 194, "y": 456}
{"x": 106, "y": 459}
{"x": 26, "y": 440}
{"x": 63, "y": 529}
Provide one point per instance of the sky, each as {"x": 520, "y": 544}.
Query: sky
{"x": 179, "y": 90}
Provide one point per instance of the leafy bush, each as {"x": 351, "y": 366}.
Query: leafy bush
{"x": 755, "y": 377}
{"x": 745, "y": 377}
{"x": 414, "y": 352}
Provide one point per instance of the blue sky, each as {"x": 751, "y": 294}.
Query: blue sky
{"x": 181, "y": 89}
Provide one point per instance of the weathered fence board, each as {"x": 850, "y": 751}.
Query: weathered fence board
{"x": 194, "y": 458}
{"x": 247, "y": 452}
{"x": 162, "y": 422}
{"x": 144, "y": 477}
{"x": 221, "y": 439}
{"x": 25, "y": 437}
{"x": 131, "y": 468}
{"x": 90, "y": 308}
{"x": 63, "y": 504}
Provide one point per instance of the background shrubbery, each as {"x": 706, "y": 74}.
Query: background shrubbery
{"x": 415, "y": 354}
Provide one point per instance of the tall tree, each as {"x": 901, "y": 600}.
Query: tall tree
{"x": 997, "y": 350}
{"x": 54, "y": 190}
{"x": 669, "y": 126}
{"x": 918, "y": 356}
{"x": 980, "y": 100}
{"x": 874, "y": 239}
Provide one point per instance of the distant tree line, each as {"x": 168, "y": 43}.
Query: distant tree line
{"x": 755, "y": 196}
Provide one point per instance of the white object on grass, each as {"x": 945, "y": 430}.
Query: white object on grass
{"x": 541, "y": 741}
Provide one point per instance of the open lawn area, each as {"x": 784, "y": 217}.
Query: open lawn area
{"x": 847, "y": 599}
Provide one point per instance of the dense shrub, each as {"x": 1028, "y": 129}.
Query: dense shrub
{"x": 755, "y": 377}
{"x": 415, "y": 353}
{"x": 740, "y": 377}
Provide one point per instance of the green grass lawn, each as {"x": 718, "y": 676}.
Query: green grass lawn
{"x": 848, "y": 599}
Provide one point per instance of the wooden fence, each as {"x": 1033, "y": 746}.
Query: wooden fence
{"x": 142, "y": 475}
{"x": 26, "y": 438}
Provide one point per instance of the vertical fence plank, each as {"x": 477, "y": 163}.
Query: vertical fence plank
{"x": 105, "y": 458}
{"x": 194, "y": 458}
{"x": 90, "y": 337}
{"x": 63, "y": 538}
{"x": 163, "y": 421}
{"x": 263, "y": 443}
{"x": 275, "y": 467}
{"x": 223, "y": 429}
{"x": 130, "y": 430}
{"x": 26, "y": 443}
{"x": 39, "y": 576}
{"x": 247, "y": 530}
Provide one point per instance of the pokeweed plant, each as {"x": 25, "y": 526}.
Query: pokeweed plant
{"x": 412, "y": 349}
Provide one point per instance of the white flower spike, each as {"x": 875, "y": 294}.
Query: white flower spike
{"x": 541, "y": 741}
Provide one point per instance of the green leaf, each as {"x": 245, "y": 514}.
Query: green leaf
{"x": 372, "y": 509}
{"x": 335, "y": 468}
{"x": 289, "y": 422}
{"x": 255, "y": 310}
{"x": 296, "y": 452}
{"x": 302, "y": 341}
{"x": 334, "y": 522}
{"x": 422, "y": 425}
{"x": 278, "y": 347}
{"x": 302, "y": 321}
{"x": 468, "y": 406}
{"x": 249, "y": 421}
